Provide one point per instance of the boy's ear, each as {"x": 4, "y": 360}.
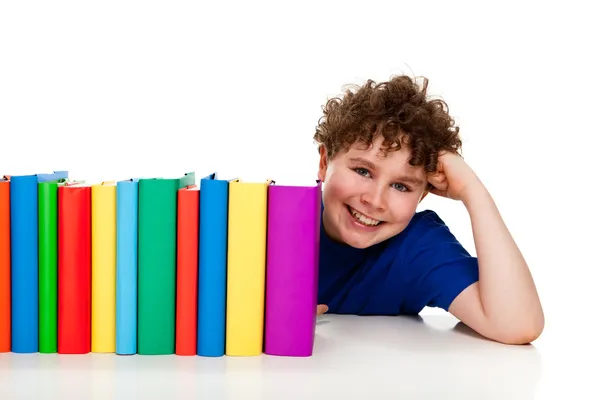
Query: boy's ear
{"x": 322, "y": 163}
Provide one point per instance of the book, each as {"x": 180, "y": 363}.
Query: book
{"x": 212, "y": 268}
{"x": 126, "y": 285}
{"x": 246, "y": 258}
{"x": 48, "y": 264}
{"x": 104, "y": 260}
{"x": 157, "y": 262}
{"x": 74, "y": 268}
{"x": 292, "y": 271}
{"x": 25, "y": 258}
{"x": 188, "y": 199}
{"x": 5, "y": 264}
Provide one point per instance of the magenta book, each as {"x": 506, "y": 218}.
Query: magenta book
{"x": 293, "y": 228}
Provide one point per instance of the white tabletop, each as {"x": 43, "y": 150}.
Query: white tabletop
{"x": 429, "y": 357}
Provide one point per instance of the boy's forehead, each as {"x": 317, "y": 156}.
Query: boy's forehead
{"x": 380, "y": 153}
{"x": 377, "y": 145}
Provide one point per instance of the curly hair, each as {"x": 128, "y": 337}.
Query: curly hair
{"x": 400, "y": 110}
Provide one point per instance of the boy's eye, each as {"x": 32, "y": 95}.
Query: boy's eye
{"x": 400, "y": 187}
{"x": 361, "y": 171}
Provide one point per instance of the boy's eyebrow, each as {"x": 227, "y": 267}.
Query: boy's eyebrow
{"x": 363, "y": 161}
{"x": 413, "y": 179}
{"x": 405, "y": 178}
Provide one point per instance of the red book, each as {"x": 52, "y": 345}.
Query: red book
{"x": 187, "y": 270}
{"x": 5, "y": 314}
{"x": 74, "y": 269}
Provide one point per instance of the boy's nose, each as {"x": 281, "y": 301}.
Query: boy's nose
{"x": 374, "y": 197}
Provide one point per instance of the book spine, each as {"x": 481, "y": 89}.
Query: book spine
{"x": 246, "y": 268}
{"x": 103, "y": 268}
{"x": 5, "y": 292}
{"x": 127, "y": 244}
{"x": 48, "y": 259}
{"x": 187, "y": 271}
{"x": 24, "y": 264}
{"x": 212, "y": 282}
{"x": 74, "y": 269}
{"x": 157, "y": 263}
{"x": 292, "y": 270}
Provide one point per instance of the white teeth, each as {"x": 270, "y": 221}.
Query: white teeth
{"x": 363, "y": 219}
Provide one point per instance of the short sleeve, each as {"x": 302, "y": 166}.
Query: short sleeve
{"x": 441, "y": 267}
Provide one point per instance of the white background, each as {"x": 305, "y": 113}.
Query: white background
{"x": 116, "y": 89}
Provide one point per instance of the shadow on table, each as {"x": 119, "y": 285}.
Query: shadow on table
{"x": 430, "y": 356}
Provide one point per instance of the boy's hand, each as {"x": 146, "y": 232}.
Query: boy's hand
{"x": 453, "y": 177}
{"x": 322, "y": 309}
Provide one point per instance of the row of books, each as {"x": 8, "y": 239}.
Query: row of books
{"x": 158, "y": 266}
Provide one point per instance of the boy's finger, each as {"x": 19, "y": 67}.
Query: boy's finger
{"x": 436, "y": 180}
{"x": 322, "y": 309}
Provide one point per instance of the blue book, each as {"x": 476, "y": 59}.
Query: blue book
{"x": 24, "y": 259}
{"x": 212, "y": 266}
{"x": 127, "y": 240}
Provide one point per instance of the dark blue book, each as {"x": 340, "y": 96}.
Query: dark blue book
{"x": 24, "y": 259}
{"x": 212, "y": 266}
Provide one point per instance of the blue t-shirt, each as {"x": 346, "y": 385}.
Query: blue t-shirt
{"x": 424, "y": 265}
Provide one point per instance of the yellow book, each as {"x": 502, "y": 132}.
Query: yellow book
{"x": 246, "y": 266}
{"x": 104, "y": 260}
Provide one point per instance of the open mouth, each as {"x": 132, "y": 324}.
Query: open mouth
{"x": 363, "y": 219}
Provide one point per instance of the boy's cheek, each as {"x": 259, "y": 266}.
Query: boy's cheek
{"x": 340, "y": 192}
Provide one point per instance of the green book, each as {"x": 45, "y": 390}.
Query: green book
{"x": 157, "y": 262}
{"x": 48, "y": 264}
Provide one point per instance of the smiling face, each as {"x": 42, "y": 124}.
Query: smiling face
{"x": 369, "y": 196}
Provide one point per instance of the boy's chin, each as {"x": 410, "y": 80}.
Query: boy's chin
{"x": 360, "y": 241}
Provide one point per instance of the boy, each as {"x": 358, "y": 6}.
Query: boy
{"x": 383, "y": 148}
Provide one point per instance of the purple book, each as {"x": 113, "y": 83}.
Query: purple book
{"x": 293, "y": 229}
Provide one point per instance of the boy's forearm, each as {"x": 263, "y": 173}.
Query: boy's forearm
{"x": 508, "y": 294}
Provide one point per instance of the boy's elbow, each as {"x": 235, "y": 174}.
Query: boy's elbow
{"x": 523, "y": 333}
{"x": 521, "y": 337}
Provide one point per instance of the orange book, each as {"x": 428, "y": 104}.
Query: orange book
{"x": 187, "y": 270}
{"x": 4, "y": 265}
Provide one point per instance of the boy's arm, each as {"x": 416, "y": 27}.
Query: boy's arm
{"x": 504, "y": 304}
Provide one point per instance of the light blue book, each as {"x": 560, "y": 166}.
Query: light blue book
{"x": 127, "y": 243}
